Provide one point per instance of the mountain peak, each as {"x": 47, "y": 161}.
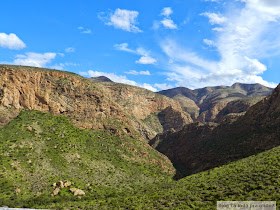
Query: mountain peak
{"x": 100, "y": 79}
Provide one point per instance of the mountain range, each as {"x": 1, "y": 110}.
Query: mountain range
{"x": 69, "y": 142}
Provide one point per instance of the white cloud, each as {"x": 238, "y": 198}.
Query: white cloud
{"x": 84, "y": 30}
{"x": 168, "y": 23}
{"x": 145, "y": 55}
{"x": 61, "y": 66}
{"x": 87, "y": 31}
{"x": 11, "y": 41}
{"x": 61, "y": 54}
{"x": 124, "y": 47}
{"x": 118, "y": 78}
{"x": 34, "y": 59}
{"x": 166, "y": 11}
{"x": 215, "y": 18}
{"x": 149, "y": 87}
{"x": 133, "y": 72}
{"x": 146, "y": 60}
{"x": 243, "y": 39}
{"x": 70, "y": 49}
{"x": 209, "y": 42}
{"x": 125, "y": 20}
{"x": 218, "y": 29}
{"x": 163, "y": 86}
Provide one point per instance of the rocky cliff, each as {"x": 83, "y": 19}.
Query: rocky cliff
{"x": 198, "y": 147}
{"x": 59, "y": 93}
{"x": 157, "y": 112}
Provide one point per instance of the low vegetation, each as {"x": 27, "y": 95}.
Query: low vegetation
{"x": 38, "y": 149}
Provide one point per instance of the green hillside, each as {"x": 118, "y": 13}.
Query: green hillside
{"x": 39, "y": 149}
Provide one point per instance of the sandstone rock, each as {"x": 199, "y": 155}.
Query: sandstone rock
{"x": 29, "y": 128}
{"x": 73, "y": 189}
{"x": 67, "y": 184}
{"x": 77, "y": 192}
{"x": 17, "y": 191}
{"x": 60, "y": 184}
{"x": 56, "y": 191}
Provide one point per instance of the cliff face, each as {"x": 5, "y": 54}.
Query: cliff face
{"x": 198, "y": 147}
{"x": 157, "y": 112}
{"x": 59, "y": 93}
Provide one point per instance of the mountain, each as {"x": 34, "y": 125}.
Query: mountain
{"x": 86, "y": 103}
{"x": 158, "y": 113}
{"x": 198, "y": 147}
{"x": 204, "y": 104}
{"x": 67, "y": 142}
{"x": 100, "y": 79}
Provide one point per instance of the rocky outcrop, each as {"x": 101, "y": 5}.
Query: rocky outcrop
{"x": 198, "y": 147}
{"x": 173, "y": 119}
{"x": 211, "y": 114}
{"x": 237, "y": 107}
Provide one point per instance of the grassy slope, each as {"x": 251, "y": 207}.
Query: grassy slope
{"x": 94, "y": 161}
{"x": 254, "y": 178}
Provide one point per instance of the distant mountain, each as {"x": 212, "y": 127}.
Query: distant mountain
{"x": 100, "y": 79}
{"x": 198, "y": 147}
{"x": 204, "y": 104}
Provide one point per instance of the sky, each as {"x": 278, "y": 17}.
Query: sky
{"x": 158, "y": 44}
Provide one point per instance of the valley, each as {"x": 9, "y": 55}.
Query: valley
{"x": 126, "y": 147}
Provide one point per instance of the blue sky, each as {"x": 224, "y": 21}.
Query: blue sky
{"x": 156, "y": 44}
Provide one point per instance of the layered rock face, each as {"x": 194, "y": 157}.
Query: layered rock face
{"x": 205, "y": 104}
{"x": 59, "y": 93}
{"x": 198, "y": 147}
{"x": 157, "y": 112}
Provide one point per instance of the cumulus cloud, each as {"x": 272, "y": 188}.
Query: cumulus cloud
{"x": 167, "y": 22}
{"x": 123, "y": 19}
{"x": 118, "y": 78}
{"x": 34, "y": 59}
{"x": 11, "y": 41}
{"x": 146, "y": 60}
{"x": 215, "y": 18}
{"x": 70, "y": 49}
{"x": 133, "y": 72}
{"x": 166, "y": 11}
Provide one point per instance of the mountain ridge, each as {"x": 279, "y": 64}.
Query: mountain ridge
{"x": 198, "y": 147}
{"x": 204, "y": 104}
